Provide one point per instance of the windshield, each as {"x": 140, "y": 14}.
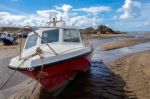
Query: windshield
{"x": 71, "y": 35}
{"x": 50, "y": 36}
{"x": 31, "y": 41}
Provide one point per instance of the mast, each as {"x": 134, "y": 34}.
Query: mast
{"x": 53, "y": 20}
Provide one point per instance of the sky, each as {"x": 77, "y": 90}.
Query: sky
{"x": 121, "y": 15}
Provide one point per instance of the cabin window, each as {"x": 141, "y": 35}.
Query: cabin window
{"x": 32, "y": 41}
{"x": 71, "y": 35}
{"x": 50, "y": 36}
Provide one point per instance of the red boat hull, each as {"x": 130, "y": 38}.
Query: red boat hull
{"x": 54, "y": 76}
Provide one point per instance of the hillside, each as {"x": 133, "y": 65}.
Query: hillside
{"x": 101, "y": 29}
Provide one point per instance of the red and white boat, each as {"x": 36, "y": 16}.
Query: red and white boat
{"x": 53, "y": 55}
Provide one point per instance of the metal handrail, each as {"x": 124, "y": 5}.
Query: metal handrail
{"x": 36, "y": 35}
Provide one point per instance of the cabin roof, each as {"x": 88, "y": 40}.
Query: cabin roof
{"x": 62, "y": 27}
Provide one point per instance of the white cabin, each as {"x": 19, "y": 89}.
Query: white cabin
{"x": 60, "y": 40}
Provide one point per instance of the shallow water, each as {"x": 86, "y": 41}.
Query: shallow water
{"x": 98, "y": 82}
{"x": 111, "y": 55}
{"x": 141, "y": 35}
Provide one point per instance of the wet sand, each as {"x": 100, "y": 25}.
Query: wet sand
{"x": 124, "y": 78}
{"x": 105, "y": 36}
{"x": 94, "y": 83}
{"x": 99, "y": 82}
{"x": 125, "y": 43}
{"x": 135, "y": 71}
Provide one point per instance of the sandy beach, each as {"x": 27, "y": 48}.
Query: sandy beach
{"x": 10, "y": 51}
{"x": 74, "y": 49}
{"x": 124, "y": 78}
{"x": 104, "y": 36}
{"x": 135, "y": 71}
{"x": 124, "y": 43}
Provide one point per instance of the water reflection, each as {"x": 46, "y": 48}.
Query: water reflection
{"x": 111, "y": 55}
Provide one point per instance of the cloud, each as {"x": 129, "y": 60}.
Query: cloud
{"x": 34, "y": 20}
{"x": 71, "y": 16}
{"x": 10, "y": 19}
{"x": 47, "y": 13}
{"x": 41, "y": 17}
{"x": 130, "y": 16}
{"x": 143, "y": 24}
{"x": 85, "y": 21}
{"x": 139, "y": 23}
{"x": 131, "y": 9}
{"x": 65, "y": 7}
{"x": 94, "y": 10}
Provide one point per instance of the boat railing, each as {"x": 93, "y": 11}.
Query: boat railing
{"x": 85, "y": 41}
{"x": 32, "y": 29}
{"x": 38, "y": 52}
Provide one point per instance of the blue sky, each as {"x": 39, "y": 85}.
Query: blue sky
{"x": 27, "y": 5}
{"x": 124, "y": 15}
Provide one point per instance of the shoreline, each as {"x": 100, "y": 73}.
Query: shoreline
{"x": 106, "y": 36}
{"x": 128, "y": 68}
{"x": 134, "y": 69}
{"x": 124, "y": 43}
{"x": 113, "y": 84}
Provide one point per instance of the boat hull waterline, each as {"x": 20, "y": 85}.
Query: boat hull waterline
{"x": 56, "y": 75}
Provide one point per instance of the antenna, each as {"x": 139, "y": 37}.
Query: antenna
{"x": 50, "y": 15}
{"x": 55, "y": 21}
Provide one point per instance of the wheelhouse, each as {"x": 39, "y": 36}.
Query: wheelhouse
{"x": 53, "y": 36}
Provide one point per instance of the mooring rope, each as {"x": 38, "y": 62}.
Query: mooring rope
{"x": 40, "y": 74}
{"x": 46, "y": 43}
{"x": 12, "y": 75}
{"x": 20, "y": 45}
{"x": 22, "y": 29}
{"x": 25, "y": 59}
{"x": 14, "y": 71}
{"x": 15, "y": 47}
{"x": 41, "y": 39}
